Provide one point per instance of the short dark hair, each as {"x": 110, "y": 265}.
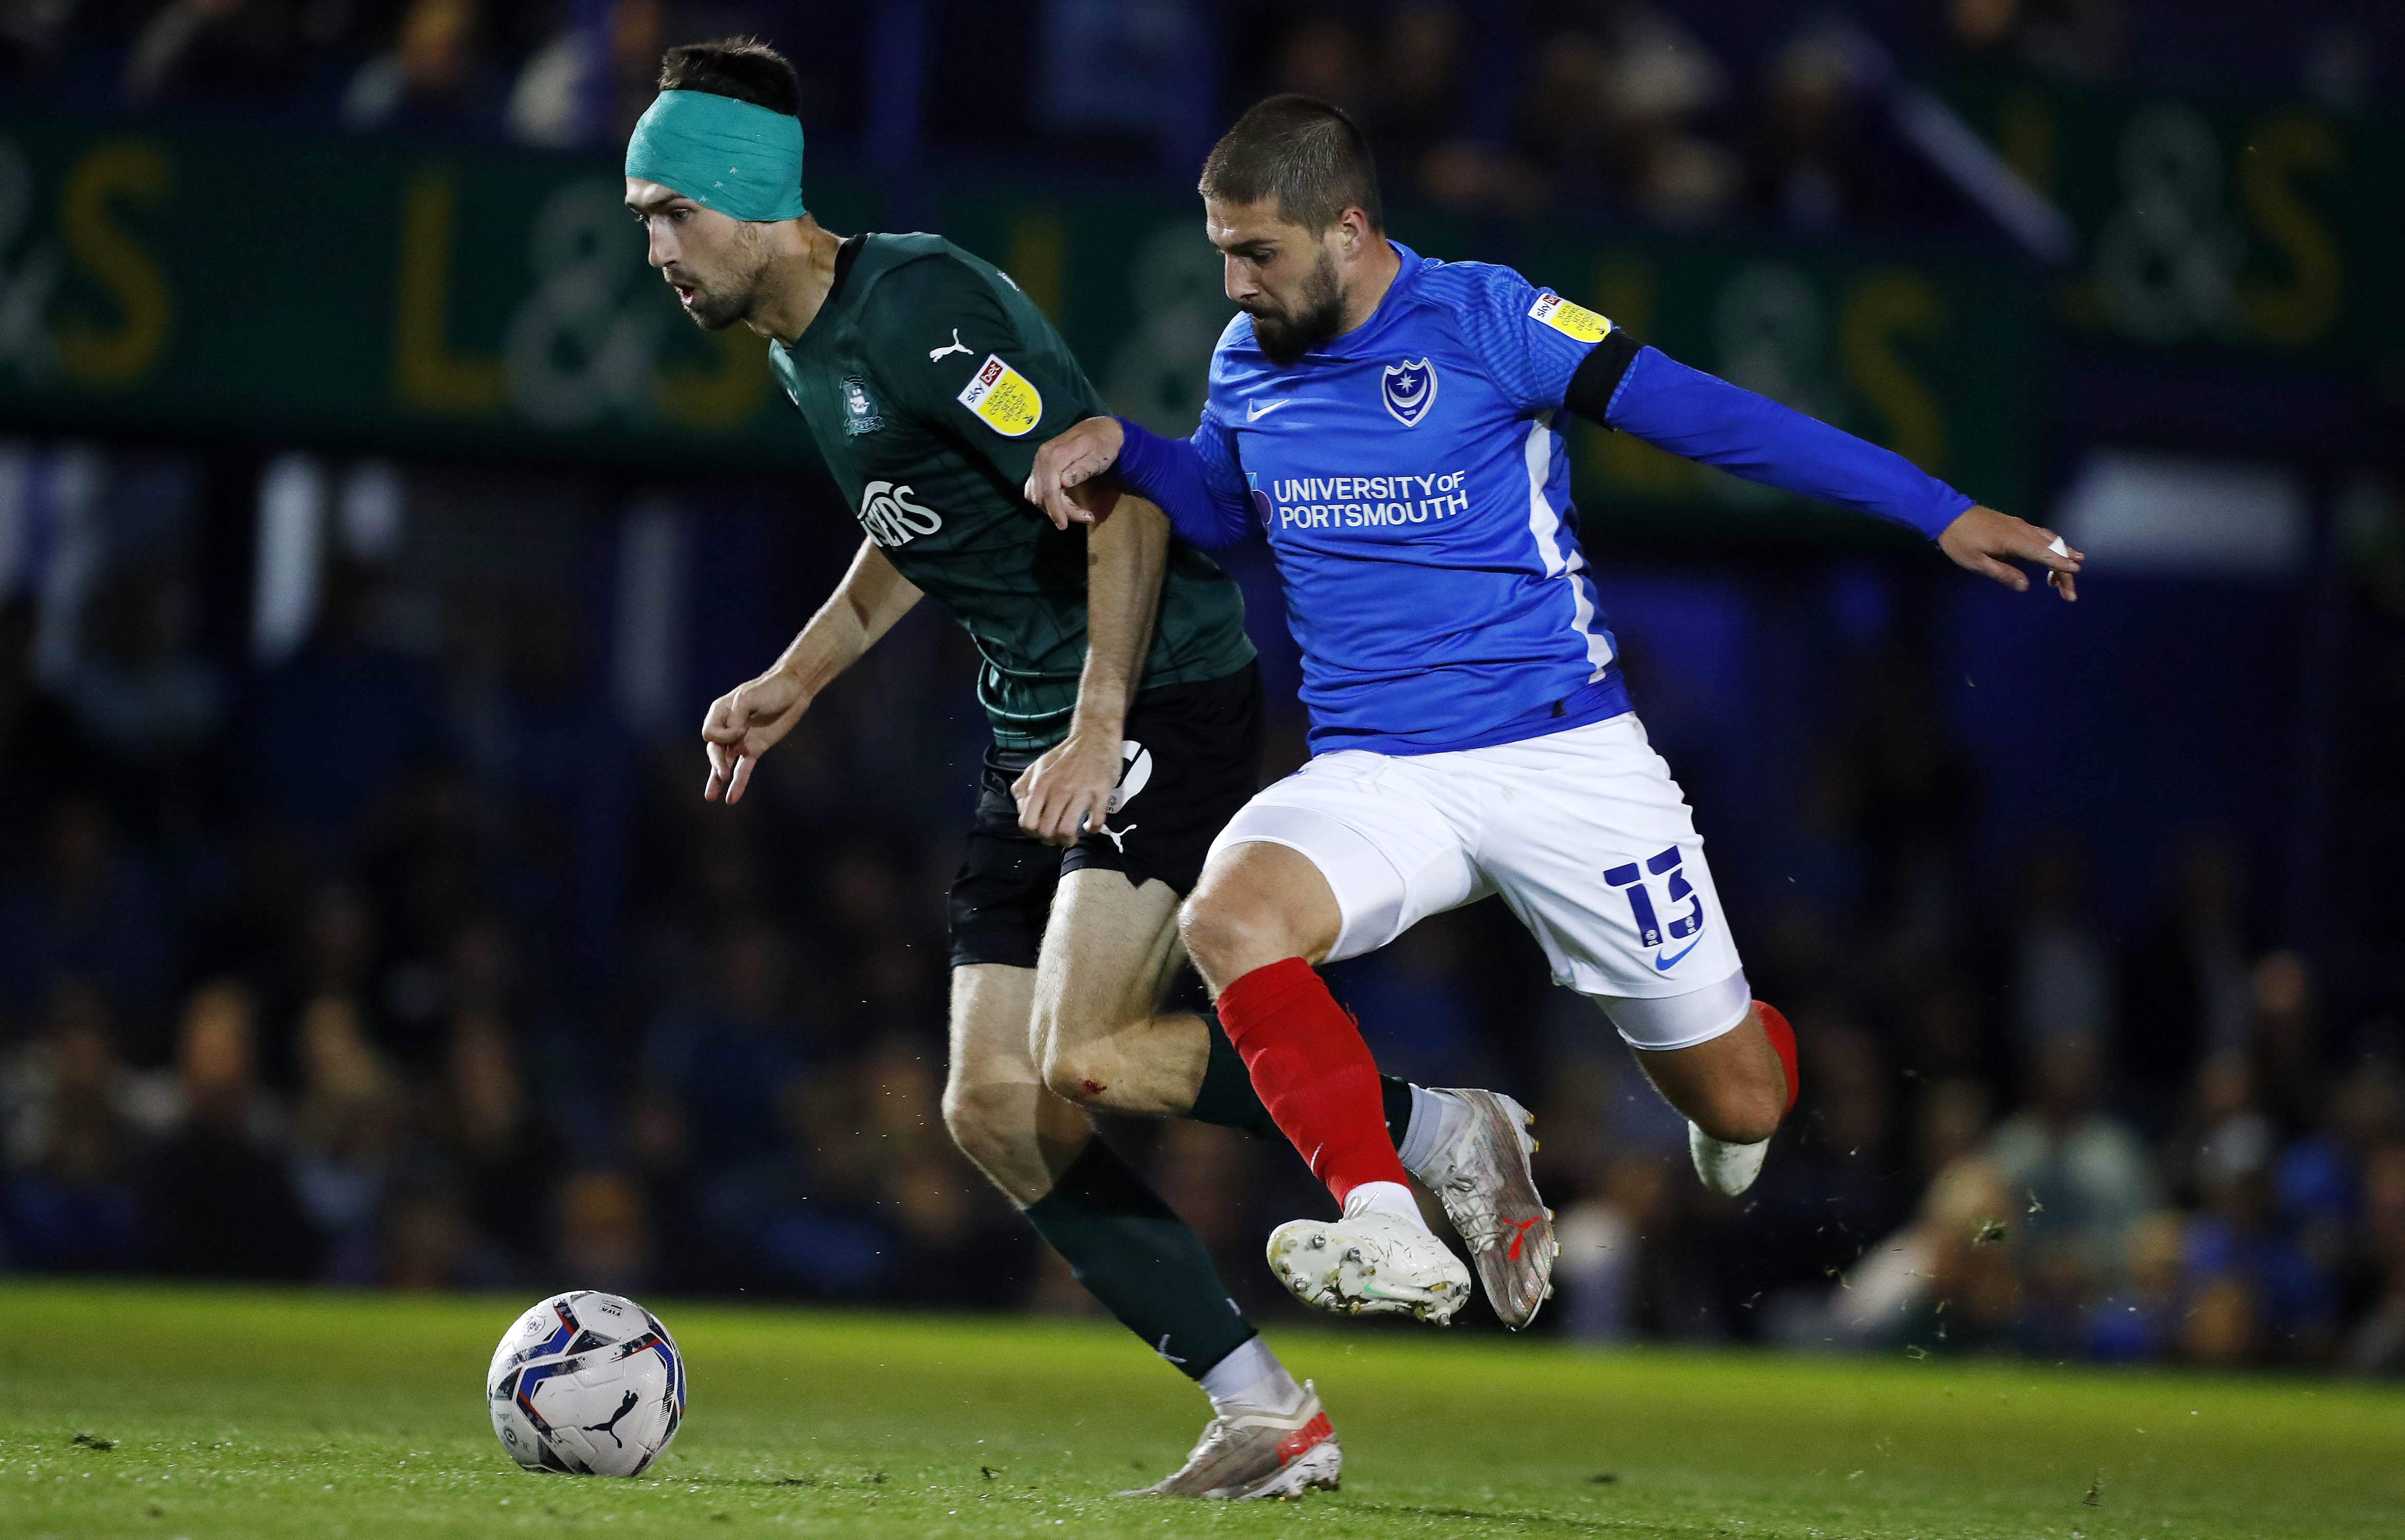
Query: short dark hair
{"x": 745, "y": 68}
{"x": 1309, "y": 154}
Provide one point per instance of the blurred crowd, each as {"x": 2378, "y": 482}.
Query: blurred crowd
{"x": 402, "y": 954}
{"x": 1683, "y": 113}
{"x": 375, "y": 958}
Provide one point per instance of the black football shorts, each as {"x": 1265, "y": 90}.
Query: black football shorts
{"x": 1192, "y": 758}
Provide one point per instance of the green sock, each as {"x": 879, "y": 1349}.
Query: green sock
{"x": 1140, "y": 1260}
{"x": 1227, "y": 1097}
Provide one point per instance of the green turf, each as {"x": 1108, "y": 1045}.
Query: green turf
{"x": 253, "y": 1415}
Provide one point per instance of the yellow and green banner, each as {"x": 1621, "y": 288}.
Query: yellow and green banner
{"x": 375, "y": 294}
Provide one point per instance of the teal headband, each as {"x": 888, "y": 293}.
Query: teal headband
{"x": 738, "y": 159}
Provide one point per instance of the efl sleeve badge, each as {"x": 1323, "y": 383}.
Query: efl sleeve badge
{"x": 1569, "y": 319}
{"x": 1002, "y": 399}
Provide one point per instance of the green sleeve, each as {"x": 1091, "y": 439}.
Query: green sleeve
{"x": 964, "y": 352}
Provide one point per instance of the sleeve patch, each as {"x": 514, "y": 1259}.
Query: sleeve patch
{"x": 1569, "y": 319}
{"x": 1002, "y": 399}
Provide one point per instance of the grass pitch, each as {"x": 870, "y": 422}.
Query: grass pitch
{"x": 259, "y": 1415}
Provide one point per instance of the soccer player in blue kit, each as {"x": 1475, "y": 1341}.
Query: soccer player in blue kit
{"x": 1390, "y": 422}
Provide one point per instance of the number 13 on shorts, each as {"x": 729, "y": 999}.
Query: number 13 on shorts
{"x": 1684, "y": 925}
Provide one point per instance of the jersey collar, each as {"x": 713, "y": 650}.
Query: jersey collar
{"x": 847, "y": 257}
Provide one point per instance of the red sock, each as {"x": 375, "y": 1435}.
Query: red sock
{"x": 1313, "y": 1073}
{"x": 1782, "y": 1040}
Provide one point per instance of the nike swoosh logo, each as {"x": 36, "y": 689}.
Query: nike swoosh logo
{"x": 1662, "y": 964}
{"x": 1255, "y": 412}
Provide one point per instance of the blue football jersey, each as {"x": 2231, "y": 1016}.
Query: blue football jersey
{"x": 1417, "y": 496}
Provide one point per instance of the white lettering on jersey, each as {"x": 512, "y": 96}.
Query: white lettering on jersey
{"x": 891, "y": 517}
{"x": 1357, "y": 502}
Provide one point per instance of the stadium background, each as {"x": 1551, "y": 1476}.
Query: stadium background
{"x": 372, "y": 533}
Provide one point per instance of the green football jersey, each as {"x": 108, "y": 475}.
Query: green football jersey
{"x": 929, "y": 380}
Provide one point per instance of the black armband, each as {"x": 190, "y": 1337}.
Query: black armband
{"x": 1599, "y": 375}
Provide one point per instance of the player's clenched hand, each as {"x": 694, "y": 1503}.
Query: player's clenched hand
{"x": 1070, "y": 461}
{"x": 1987, "y": 542}
{"x": 745, "y": 723}
{"x": 1068, "y": 791}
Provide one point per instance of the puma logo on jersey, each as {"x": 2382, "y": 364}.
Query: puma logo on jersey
{"x": 892, "y": 517}
{"x": 958, "y": 346}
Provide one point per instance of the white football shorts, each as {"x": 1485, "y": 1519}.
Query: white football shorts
{"x": 1583, "y": 833}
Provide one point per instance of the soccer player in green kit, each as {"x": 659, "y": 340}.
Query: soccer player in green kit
{"x": 1125, "y": 705}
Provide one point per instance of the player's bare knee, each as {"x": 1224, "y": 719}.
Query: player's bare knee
{"x": 1226, "y": 937}
{"x": 964, "y": 1119}
{"x": 1084, "y": 1076}
{"x": 984, "y": 1120}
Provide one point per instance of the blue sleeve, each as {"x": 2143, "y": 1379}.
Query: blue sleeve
{"x": 1701, "y": 417}
{"x": 1530, "y": 340}
{"x": 1194, "y": 481}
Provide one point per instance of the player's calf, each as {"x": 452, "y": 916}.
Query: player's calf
{"x": 1734, "y": 1088}
{"x": 1742, "y": 1113}
{"x": 1729, "y": 1166}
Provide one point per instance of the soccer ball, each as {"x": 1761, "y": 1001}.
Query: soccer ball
{"x": 586, "y": 1384}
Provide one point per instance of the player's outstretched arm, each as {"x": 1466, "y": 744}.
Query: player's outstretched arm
{"x": 1068, "y": 790}
{"x": 753, "y": 717}
{"x": 1707, "y": 419}
{"x": 1982, "y": 540}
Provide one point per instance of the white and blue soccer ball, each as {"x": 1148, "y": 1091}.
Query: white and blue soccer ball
{"x": 586, "y": 1384}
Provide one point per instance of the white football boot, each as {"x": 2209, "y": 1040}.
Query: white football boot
{"x": 1726, "y": 1168}
{"x": 1250, "y": 1452}
{"x": 1480, "y": 1175}
{"x": 1370, "y": 1263}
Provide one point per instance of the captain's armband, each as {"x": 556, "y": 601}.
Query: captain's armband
{"x": 1598, "y": 375}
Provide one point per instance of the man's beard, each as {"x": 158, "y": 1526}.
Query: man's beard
{"x": 715, "y": 310}
{"x": 1285, "y": 337}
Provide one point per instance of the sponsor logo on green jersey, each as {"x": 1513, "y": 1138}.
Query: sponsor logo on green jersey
{"x": 893, "y": 515}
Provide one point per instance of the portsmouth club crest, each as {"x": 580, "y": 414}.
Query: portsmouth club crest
{"x": 1408, "y": 390}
